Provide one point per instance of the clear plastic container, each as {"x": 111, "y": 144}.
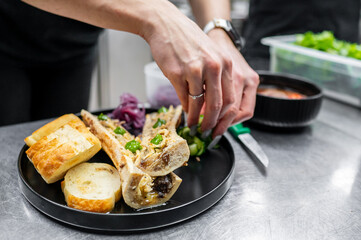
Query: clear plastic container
{"x": 340, "y": 77}
{"x": 160, "y": 92}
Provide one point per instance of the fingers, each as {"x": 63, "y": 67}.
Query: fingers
{"x": 233, "y": 111}
{"x": 219, "y": 95}
{"x": 228, "y": 91}
{"x": 188, "y": 81}
{"x": 248, "y": 103}
{"x": 213, "y": 96}
{"x": 194, "y": 75}
{"x": 181, "y": 88}
{"x": 177, "y": 79}
{"x": 243, "y": 108}
{"x": 228, "y": 99}
{"x": 229, "y": 85}
{"x": 225, "y": 122}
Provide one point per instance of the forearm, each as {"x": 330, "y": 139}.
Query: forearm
{"x": 134, "y": 16}
{"x": 205, "y": 10}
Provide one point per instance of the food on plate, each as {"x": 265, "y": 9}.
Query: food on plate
{"x": 144, "y": 164}
{"x": 164, "y": 149}
{"x": 197, "y": 145}
{"x": 139, "y": 189}
{"x": 129, "y": 112}
{"x": 133, "y": 146}
{"x": 93, "y": 187}
{"x": 279, "y": 92}
{"x": 60, "y": 145}
{"x": 49, "y": 128}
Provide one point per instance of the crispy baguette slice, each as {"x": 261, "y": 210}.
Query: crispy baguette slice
{"x": 49, "y": 128}
{"x": 93, "y": 187}
{"x": 172, "y": 153}
{"x": 139, "y": 190}
{"x": 62, "y": 148}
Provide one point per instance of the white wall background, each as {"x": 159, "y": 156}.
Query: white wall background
{"x": 122, "y": 57}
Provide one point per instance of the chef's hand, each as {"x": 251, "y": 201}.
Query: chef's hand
{"x": 195, "y": 62}
{"x": 244, "y": 84}
{"x": 189, "y": 58}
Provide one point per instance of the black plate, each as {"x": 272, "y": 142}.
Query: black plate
{"x": 204, "y": 184}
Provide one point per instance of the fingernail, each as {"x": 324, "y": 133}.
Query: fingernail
{"x": 185, "y": 115}
{"x": 193, "y": 131}
{"x": 214, "y": 142}
{"x": 206, "y": 134}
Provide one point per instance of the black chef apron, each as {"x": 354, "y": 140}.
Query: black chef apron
{"x": 46, "y": 63}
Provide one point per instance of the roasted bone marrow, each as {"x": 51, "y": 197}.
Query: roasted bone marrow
{"x": 170, "y": 153}
{"x": 139, "y": 189}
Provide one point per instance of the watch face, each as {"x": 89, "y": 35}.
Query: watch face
{"x": 228, "y": 27}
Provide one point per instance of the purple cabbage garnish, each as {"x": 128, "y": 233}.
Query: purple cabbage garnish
{"x": 129, "y": 112}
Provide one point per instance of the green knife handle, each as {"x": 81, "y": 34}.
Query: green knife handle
{"x": 238, "y": 129}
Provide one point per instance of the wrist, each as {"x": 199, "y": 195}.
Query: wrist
{"x": 155, "y": 21}
{"x": 221, "y": 37}
{"x": 148, "y": 21}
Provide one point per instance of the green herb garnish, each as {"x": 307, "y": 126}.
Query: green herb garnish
{"x": 119, "y": 130}
{"x": 326, "y": 41}
{"x": 157, "y": 139}
{"x": 102, "y": 117}
{"x": 159, "y": 123}
{"x": 162, "y": 110}
{"x": 197, "y": 145}
{"x": 193, "y": 149}
{"x": 133, "y": 146}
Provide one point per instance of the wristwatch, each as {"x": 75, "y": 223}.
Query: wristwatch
{"x": 227, "y": 27}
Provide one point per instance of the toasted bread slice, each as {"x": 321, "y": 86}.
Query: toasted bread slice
{"x": 61, "y": 148}
{"x": 49, "y": 128}
{"x": 93, "y": 187}
{"x": 138, "y": 188}
{"x": 171, "y": 153}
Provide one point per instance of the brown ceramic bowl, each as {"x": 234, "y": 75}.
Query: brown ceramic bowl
{"x": 284, "y": 112}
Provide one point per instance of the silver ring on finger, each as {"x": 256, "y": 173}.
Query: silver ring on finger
{"x": 194, "y": 97}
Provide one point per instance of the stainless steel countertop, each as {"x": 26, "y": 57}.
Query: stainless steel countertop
{"x": 312, "y": 189}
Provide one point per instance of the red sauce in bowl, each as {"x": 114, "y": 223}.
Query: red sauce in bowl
{"x": 279, "y": 93}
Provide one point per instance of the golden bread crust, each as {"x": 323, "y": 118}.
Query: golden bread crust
{"x": 62, "y": 148}
{"x": 90, "y": 204}
{"x": 49, "y": 128}
{"x": 94, "y": 187}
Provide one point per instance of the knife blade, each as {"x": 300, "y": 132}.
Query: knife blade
{"x": 242, "y": 133}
